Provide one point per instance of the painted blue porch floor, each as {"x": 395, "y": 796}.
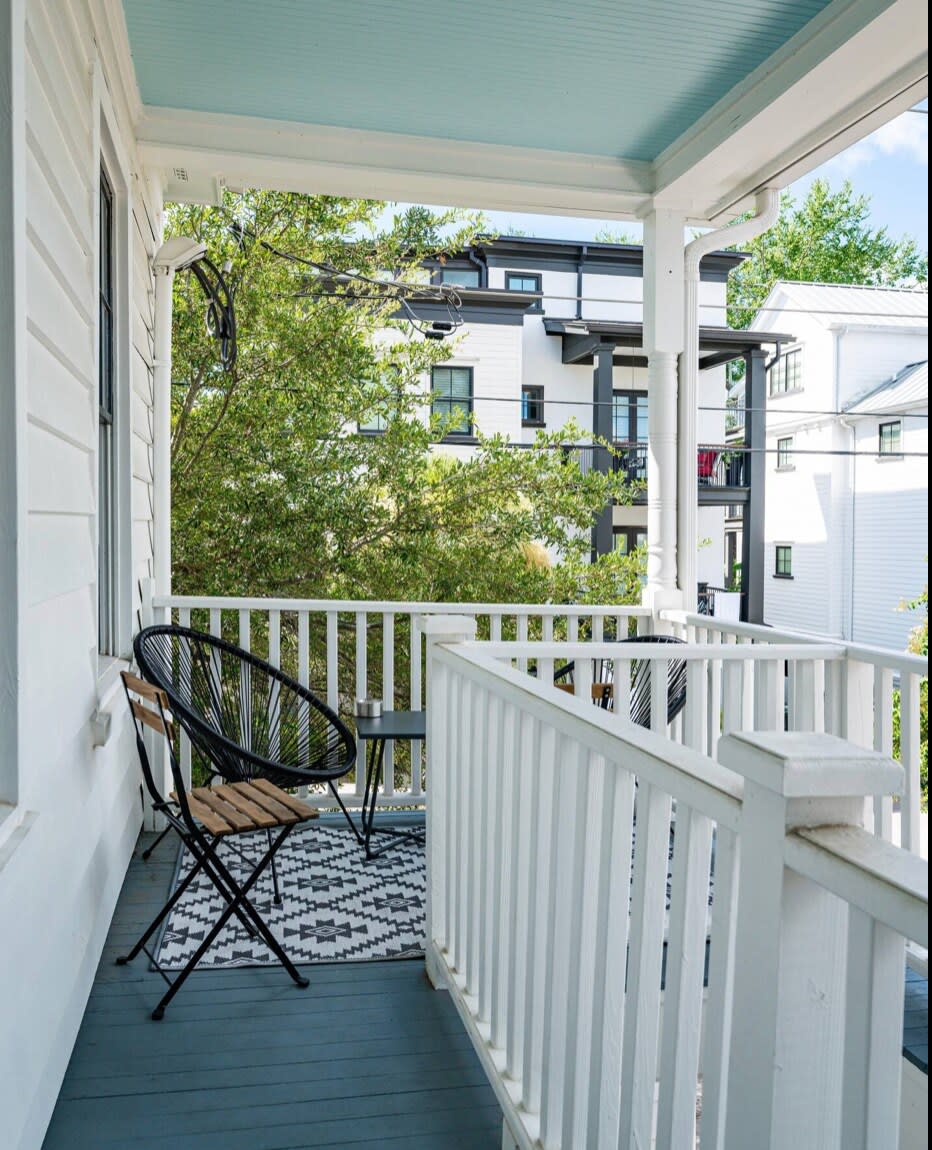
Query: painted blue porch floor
{"x": 369, "y": 1056}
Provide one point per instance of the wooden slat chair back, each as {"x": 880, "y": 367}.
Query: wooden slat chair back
{"x": 203, "y": 816}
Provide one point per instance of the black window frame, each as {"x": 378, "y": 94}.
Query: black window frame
{"x": 785, "y": 377}
{"x": 630, "y": 535}
{"x": 459, "y": 269}
{"x": 538, "y": 289}
{"x": 884, "y": 451}
{"x": 528, "y": 401}
{"x": 466, "y": 405}
{"x": 785, "y": 453}
{"x": 633, "y": 397}
{"x": 783, "y": 561}
{"x": 107, "y": 638}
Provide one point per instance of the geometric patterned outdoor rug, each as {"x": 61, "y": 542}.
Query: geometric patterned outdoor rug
{"x": 336, "y": 907}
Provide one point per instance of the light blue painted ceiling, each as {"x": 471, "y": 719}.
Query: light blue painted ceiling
{"x": 618, "y": 78}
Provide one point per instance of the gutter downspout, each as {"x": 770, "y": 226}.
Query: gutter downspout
{"x": 583, "y": 254}
{"x": 482, "y": 263}
{"x": 767, "y": 210}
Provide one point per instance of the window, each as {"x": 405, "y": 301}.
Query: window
{"x": 891, "y": 438}
{"x": 629, "y": 417}
{"x": 383, "y": 407}
{"x": 785, "y": 454}
{"x": 784, "y": 566}
{"x": 106, "y": 557}
{"x": 460, "y": 277}
{"x": 629, "y": 539}
{"x": 787, "y": 373}
{"x": 452, "y": 398}
{"x": 522, "y": 281}
{"x": 532, "y": 406}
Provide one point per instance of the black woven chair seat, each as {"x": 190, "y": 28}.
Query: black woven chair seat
{"x": 247, "y": 718}
{"x": 604, "y": 671}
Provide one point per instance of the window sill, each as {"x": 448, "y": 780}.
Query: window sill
{"x": 788, "y": 578}
{"x": 786, "y": 394}
{"x": 15, "y": 824}
{"x": 532, "y": 423}
{"x": 460, "y": 440}
{"x": 787, "y": 467}
{"x": 891, "y": 458}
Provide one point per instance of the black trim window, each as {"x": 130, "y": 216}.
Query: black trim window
{"x": 106, "y": 558}
{"x": 532, "y": 406}
{"x": 523, "y": 281}
{"x": 785, "y": 453}
{"x": 629, "y": 416}
{"x": 787, "y": 373}
{"x": 784, "y": 564}
{"x": 461, "y": 277}
{"x": 452, "y": 398}
{"x": 890, "y": 438}
{"x": 627, "y": 540}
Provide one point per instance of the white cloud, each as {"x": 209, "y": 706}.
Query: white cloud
{"x": 907, "y": 136}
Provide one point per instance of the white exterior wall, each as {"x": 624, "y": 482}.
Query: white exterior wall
{"x": 890, "y": 542}
{"x": 858, "y": 528}
{"x": 80, "y": 807}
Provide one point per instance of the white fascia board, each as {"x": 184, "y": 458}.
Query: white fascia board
{"x": 241, "y": 151}
{"x": 848, "y": 72}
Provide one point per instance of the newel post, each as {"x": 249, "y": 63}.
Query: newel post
{"x": 785, "y": 1067}
{"x": 442, "y": 745}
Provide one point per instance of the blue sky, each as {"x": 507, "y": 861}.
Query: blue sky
{"x": 891, "y": 166}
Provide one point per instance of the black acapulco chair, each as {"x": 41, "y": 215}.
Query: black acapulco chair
{"x": 640, "y": 711}
{"x": 203, "y": 817}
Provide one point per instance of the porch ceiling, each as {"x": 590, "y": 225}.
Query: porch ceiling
{"x": 590, "y": 108}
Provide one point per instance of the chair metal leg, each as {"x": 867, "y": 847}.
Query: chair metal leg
{"x": 278, "y": 896}
{"x": 147, "y": 854}
{"x": 239, "y": 901}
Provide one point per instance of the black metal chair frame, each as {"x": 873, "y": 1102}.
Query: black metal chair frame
{"x": 203, "y": 848}
{"x": 229, "y": 758}
{"x": 640, "y": 708}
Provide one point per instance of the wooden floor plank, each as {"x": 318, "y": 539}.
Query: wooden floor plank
{"x": 368, "y": 1056}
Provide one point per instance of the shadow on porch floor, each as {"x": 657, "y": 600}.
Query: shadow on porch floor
{"x": 369, "y": 1056}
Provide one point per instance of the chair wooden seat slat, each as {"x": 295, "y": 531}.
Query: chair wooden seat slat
{"x": 294, "y": 804}
{"x": 245, "y": 806}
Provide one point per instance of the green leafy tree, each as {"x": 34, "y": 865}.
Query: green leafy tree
{"x": 918, "y": 645}
{"x": 614, "y": 236}
{"x": 276, "y": 492}
{"x": 825, "y": 239}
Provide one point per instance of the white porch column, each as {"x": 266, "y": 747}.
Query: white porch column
{"x": 789, "y": 1081}
{"x": 162, "y": 429}
{"x": 664, "y": 309}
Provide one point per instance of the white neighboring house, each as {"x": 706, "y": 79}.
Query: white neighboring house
{"x": 846, "y": 527}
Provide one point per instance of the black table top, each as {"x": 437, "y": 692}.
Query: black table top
{"x": 394, "y": 725}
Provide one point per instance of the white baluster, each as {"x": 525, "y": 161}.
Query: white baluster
{"x": 184, "y": 620}
{"x": 910, "y": 752}
{"x": 362, "y": 686}
{"x": 685, "y": 969}
{"x": 522, "y": 633}
{"x": 275, "y": 658}
{"x": 414, "y": 669}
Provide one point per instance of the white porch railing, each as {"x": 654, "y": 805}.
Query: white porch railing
{"x": 348, "y": 649}
{"x": 859, "y": 699}
{"x": 552, "y": 933}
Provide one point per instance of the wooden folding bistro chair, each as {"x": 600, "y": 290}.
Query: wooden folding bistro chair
{"x": 203, "y": 818}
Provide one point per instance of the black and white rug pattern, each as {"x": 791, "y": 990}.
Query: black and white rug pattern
{"x": 336, "y": 907}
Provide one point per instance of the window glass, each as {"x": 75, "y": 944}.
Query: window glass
{"x": 785, "y": 452}
{"x": 532, "y": 406}
{"x": 460, "y": 277}
{"x": 787, "y": 373}
{"x": 629, "y": 417}
{"x": 891, "y": 438}
{"x": 106, "y": 607}
{"x": 522, "y": 281}
{"x": 784, "y": 561}
{"x": 452, "y": 389}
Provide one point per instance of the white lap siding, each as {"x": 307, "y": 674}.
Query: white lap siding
{"x": 59, "y": 883}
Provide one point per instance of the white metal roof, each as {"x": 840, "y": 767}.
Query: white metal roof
{"x": 851, "y": 305}
{"x": 908, "y": 388}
